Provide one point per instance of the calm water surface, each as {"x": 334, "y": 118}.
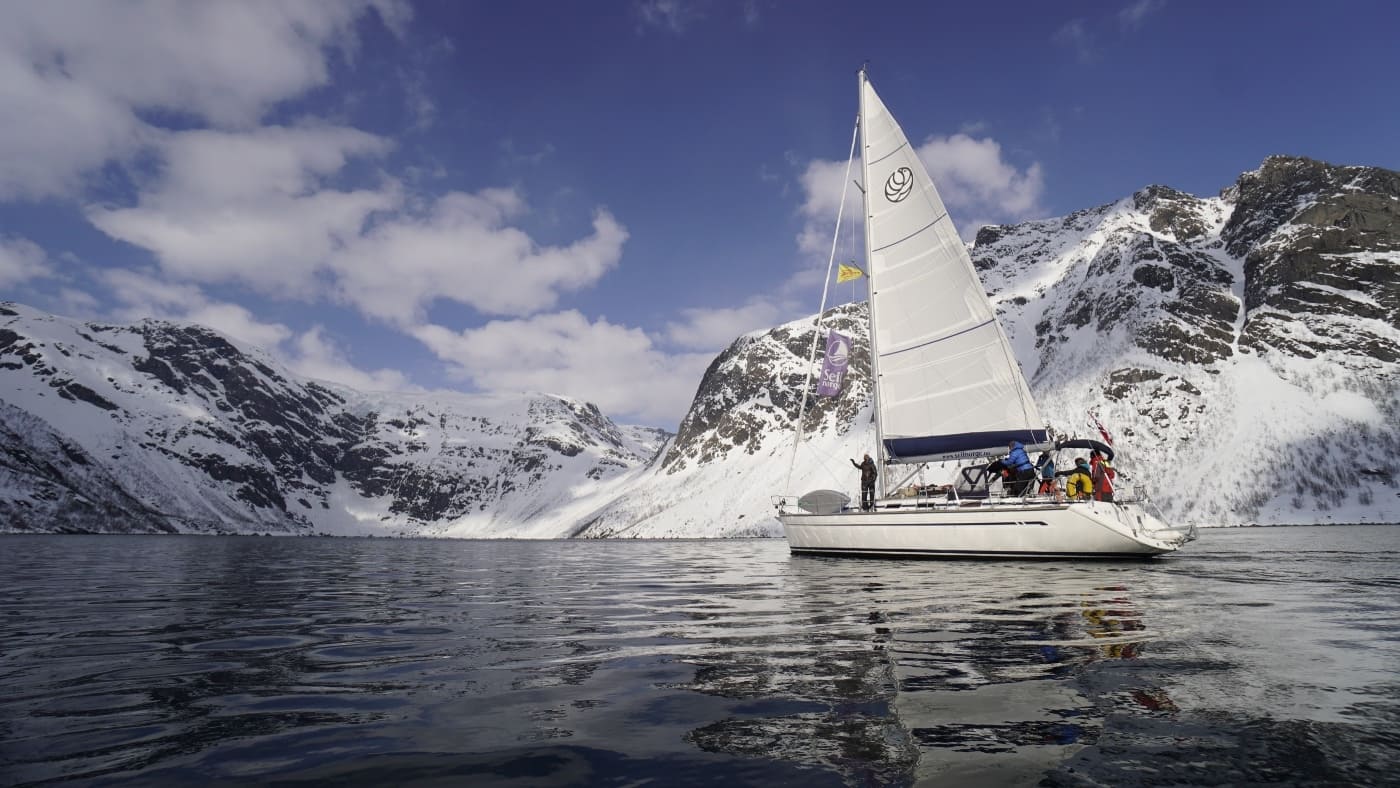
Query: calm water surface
{"x": 1254, "y": 656}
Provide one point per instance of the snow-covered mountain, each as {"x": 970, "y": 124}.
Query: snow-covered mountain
{"x": 1244, "y": 349}
{"x": 164, "y": 427}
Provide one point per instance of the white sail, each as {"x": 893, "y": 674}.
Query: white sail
{"x": 947, "y": 382}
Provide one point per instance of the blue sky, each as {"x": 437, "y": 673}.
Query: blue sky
{"x": 593, "y": 198}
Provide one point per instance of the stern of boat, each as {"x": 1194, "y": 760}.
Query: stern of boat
{"x": 1138, "y": 520}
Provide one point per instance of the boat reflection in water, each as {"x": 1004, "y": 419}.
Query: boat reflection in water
{"x": 958, "y": 673}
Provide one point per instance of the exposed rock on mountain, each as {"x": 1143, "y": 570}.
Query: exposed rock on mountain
{"x": 1320, "y": 245}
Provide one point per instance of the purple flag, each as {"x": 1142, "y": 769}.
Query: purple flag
{"x": 838, "y": 350}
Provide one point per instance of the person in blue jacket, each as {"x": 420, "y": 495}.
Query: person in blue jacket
{"x": 1022, "y": 471}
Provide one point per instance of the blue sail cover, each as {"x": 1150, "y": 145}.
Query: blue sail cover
{"x": 967, "y": 444}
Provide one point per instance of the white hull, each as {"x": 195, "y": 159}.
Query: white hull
{"x": 1012, "y": 529}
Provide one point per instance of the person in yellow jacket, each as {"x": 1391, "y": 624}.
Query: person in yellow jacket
{"x": 1080, "y": 486}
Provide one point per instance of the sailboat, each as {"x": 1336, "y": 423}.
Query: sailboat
{"x": 947, "y": 388}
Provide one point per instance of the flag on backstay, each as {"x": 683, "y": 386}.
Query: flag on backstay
{"x": 1098, "y": 425}
{"x": 838, "y": 351}
{"x": 845, "y": 273}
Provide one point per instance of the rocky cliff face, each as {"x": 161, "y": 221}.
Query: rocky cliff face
{"x": 1320, "y": 245}
{"x": 1244, "y": 349}
{"x": 754, "y": 389}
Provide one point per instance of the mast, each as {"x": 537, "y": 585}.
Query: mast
{"x": 870, "y": 280}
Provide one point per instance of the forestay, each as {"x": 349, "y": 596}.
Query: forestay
{"x": 947, "y": 381}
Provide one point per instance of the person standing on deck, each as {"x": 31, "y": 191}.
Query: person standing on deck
{"x": 1046, "y": 465}
{"x": 1023, "y": 472}
{"x": 1102, "y": 473}
{"x": 867, "y": 482}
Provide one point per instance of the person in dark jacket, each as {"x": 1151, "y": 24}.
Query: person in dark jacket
{"x": 1045, "y": 465}
{"x": 1022, "y": 471}
{"x": 867, "y": 482}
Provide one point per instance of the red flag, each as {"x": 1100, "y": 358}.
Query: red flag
{"x": 1098, "y": 425}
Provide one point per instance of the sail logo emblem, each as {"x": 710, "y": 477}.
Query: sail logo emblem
{"x": 839, "y": 351}
{"x": 900, "y": 183}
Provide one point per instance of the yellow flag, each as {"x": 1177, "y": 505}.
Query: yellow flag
{"x": 845, "y": 273}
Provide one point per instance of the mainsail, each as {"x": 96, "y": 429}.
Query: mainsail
{"x": 947, "y": 382}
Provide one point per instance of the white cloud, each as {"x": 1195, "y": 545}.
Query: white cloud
{"x": 1074, "y": 35}
{"x": 217, "y": 167}
{"x": 224, "y": 62}
{"x": 417, "y": 101}
{"x": 72, "y": 301}
{"x": 615, "y": 367}
{"x": 715, "y": 329}
{"x": 249, "y": 207}
{"x": 20, "y": 260}
{"x": 314, "y": 355}
{"x": 753, "y": 15}
{"x": 144, "y": 294}
{"x": 256, "y": 207}
{"x": 75, "y": 74}
{"x": 822, "y": 185}
{"x": 1132, "y": 17}
{"x": 464, "y": 251}
{"x": 971, "y": 174}
{"x": 670, "y": 15}
{"x": 514, "y": 156}
{"x": 55, "y": 130}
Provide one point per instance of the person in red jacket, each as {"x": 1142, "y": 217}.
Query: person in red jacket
{"x": 1102, "y": 473}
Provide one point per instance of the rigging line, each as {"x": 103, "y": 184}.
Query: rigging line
{"x": 936, "y": 341}
{"x": 940, "y": 218}
{"x": 852, "y": 235}
{"x": 826, "y": 286}
{"x": 891, "y": 153}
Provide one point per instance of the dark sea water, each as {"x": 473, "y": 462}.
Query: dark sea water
{"x": 1255, "y": 656}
